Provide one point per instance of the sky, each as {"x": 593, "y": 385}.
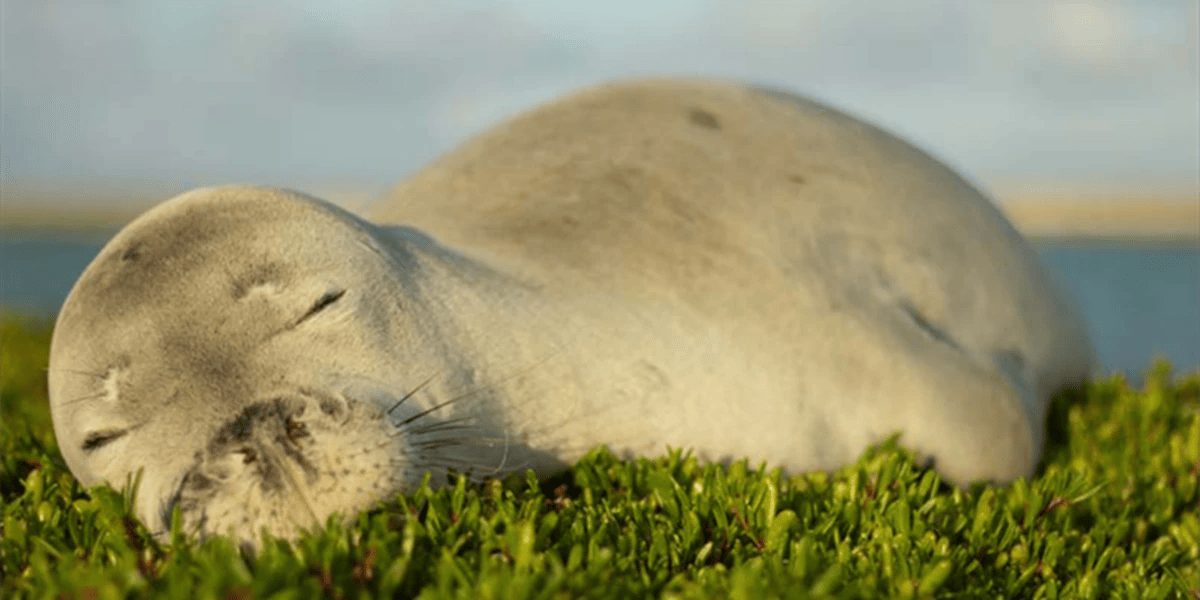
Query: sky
{"x": 355, "y": 95}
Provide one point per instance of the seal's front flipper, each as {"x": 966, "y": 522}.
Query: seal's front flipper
{"x": 969, "y": 415}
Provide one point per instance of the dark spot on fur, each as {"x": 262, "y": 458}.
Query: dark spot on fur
{"x": 1012, "y": 357}
{"x": 238, "y": 430}
{"x": 122, "y": 362}
{"x": 293, "y": 452}
{"x": 1012, "y": 362}
{"x": 197, "y": 481}
{"x": 703, "y": 118}
{"x": 796, "y": 178}
{"x": 331, "y": 407}
{"x": 272, "y": 481}
{"x": 934, "y": 331}
{"x": 132, "y": 253}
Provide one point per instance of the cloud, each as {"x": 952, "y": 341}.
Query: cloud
{"x": 292, "y": 93}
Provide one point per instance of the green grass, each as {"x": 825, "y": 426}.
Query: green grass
{"x": 1111, "y": 513}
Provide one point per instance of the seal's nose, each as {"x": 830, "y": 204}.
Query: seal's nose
{"x": 259, "y": 452}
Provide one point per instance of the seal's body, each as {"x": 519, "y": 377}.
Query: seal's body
{"x": 740, "y": 272}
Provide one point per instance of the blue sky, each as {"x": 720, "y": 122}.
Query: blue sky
{"x": 355, "y": 95}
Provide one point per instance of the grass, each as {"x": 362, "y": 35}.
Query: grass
{"x": 1112, "y": 512}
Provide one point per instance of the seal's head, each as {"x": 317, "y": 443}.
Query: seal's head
{"x": 246, "y": 349}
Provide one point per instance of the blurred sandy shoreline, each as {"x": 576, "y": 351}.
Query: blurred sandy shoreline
{"x": 1040, "y": 213}
{"x": 1065, "y": 213}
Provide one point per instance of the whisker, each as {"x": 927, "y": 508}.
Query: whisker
{"x": 504, "y": 458}
{"x": 443, "y": 461}
{"x": 461, "y": 466}
{"x": 456, "y": 441}
{"x": 450, "y": 425}
{"x": 505, "y": 379}
{"x": 459, "y": 432}
{"x": 439, "y": 444}
{"x": 453, "y": 400}
{"x": 462, "y": 396}
{"x": 410, "y": 394}
{"x": 521, "y": 466}
{"x": 427, "y": 411}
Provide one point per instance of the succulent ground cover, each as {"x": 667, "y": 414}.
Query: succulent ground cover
{"x": 1114, "y": 511}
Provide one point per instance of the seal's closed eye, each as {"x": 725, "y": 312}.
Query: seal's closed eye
{"x": 322, "y": 303}
{"x": 96, "y": 439}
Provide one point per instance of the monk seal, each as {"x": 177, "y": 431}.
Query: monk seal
{"x": 698, "y": 264}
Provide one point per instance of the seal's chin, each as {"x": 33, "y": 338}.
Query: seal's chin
{"x": 287, "y": 464}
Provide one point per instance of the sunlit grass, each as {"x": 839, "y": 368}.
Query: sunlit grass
{"x": 1112, "y": 512}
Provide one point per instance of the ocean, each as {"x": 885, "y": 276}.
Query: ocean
{"x": 1142, "y": 300}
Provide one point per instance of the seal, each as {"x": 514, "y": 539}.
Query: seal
{"x": 662, "y": 263}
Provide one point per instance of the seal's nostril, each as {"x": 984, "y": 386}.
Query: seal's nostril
{"x": 296, "y": 431}
{"x": 332, "y": 407}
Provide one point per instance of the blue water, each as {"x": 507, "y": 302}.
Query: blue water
{"x": 1141, "y": 301}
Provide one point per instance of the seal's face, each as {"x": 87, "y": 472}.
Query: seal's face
{"x": 218, "y": 344}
